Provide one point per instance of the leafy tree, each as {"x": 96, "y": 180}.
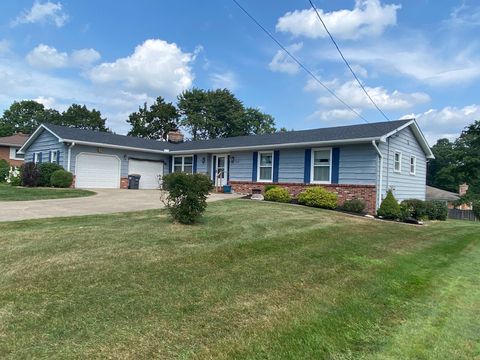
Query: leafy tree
{"x": 79, "y": 116}
{"x": 442, "y": 171}
{"x": 154, "y": 122}
{"x": 468, "y": 149}
{"x": 257, "y": 122}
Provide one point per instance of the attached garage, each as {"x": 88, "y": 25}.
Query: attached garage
{"x": 148, "y": 170}
{"x": 97, "y": 171}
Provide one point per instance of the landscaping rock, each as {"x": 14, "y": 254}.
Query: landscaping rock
{"x": 257, "y": 197}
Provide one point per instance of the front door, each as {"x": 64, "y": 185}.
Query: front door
{"x": 221, "y": 167}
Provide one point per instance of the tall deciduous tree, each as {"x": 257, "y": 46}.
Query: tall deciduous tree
{"x": 154, "y": 122}
{"x": 79, "y": 116}
{"x": 257, "y": 122}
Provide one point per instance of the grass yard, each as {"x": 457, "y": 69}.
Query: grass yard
{"x": 13, "y": 193}
{"x": 252, "y": 281}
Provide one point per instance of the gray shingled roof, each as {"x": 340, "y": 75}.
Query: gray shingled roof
{"x": 433, "y": 193}
{"x": 363, "y": 131}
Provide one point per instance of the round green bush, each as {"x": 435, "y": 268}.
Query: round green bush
{"x": 278, "y": 194}
{"x": 416, "y": 208}
{"x": 354, "y": 206}
{"x": 61, "y": 179}
{"x": 436, "y": 210}
{"x": 4, "y": 169}
{"x": 318, "y": 197}
{"x": 389, "y": 209}
{"x": 46, "y": 170}
{"x": 269, "y": 186}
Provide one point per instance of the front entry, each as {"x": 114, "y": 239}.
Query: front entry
{"x": 221, "y": 170}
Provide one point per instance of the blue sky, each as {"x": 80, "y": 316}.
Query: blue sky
{"x": 417, "y": 58}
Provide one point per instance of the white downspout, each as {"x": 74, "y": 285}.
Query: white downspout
{"x": 380, "y": 185}
{"x": 69, "y": 155}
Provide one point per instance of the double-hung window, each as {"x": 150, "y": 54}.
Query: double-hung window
{"x": 54, "y": 156}
{"x": 37, "y": 157}
{"x": 265, "y": 166}
{"x": 14, "y": 155}
{"x": 413, "y": 165}
{"x": 321, "y": 165}
{"x": 397, "y": 167}
{"x": 183, "y": 164}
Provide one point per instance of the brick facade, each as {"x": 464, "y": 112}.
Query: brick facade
{"x": 5, "y": 155}
{"x": 124, "y": 183}
{"x": 366, "y": 193}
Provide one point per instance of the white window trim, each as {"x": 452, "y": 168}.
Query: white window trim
{"x": 399, "y": 171}
{"x": 13, "y": 153}
{"x": 183, "y": 162}
{"x": 52, "y": 153}
{"x": 414, "y": 165}
{"x": 258, "y": 166}
{"x": 36, "y": 157}
{"x": 312, "y": 181}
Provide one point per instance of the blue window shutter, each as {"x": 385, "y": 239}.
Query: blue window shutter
{"x": 307, "y": 166}
{"x": 254, "y": 166}
{"x": 170, "y": 164}
{"x": 228, "y": 169}
{"x": 214, "y": 168}
{"x": 49, "y": 156}
{"x": 194, "y": 164}
{"x": 58, "y": 157}
{"x": 335, "y": 165}
{"x": 40, "y": 157}
{"x": 276, "y": 164}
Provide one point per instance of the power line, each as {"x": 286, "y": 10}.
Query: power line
{"x": 346, "y": 62}
{"x": 294, "y": 58}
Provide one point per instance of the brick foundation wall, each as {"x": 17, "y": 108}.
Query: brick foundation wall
{"x": 124, "y": 183}
{"x": 366, "y": 193}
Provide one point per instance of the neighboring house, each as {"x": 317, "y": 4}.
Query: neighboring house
{"x": 358, "y": 161}
{"x": 450, "y": 198}
{"x": 9, "y": 147}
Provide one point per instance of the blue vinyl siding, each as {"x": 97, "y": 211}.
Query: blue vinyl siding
{"x": 123, "y": 155}
{"x": 404, "y": 184}
{"x": 241, "y": 166}
{"x": 290, "y": 168}
{"x": 203, "y": 164}
{"x": 357, "y": 165}
{"x": 45, "y": 143}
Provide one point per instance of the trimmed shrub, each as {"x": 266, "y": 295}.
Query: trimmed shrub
{"x": 318, "y": 197}
{"x": 354, "y": 206}
{"x": 476, "y": 208}
{"x": 278, "y": 194}
{"x": 416, "y": 208}
{"x": 187, "y": 196}
{"x": 46, "y": 170}
{"x": 30, "y": 174}
{"x": 436, "y": 210}
{"x": 61, "y": 179}
{"x": 4, "y": 169}
{"x": 389, "y": 208}
{"x": 269, "y": 187}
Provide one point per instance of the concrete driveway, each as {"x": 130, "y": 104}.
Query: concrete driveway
{"x": 104, "y": 202}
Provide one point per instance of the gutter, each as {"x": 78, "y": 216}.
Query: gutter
{"x": 380, "y": 185}
{"x": 69, "y": 155}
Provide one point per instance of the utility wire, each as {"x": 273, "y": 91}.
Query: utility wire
{"x": 294, "y": 58}
{"x": 346, "y": 62}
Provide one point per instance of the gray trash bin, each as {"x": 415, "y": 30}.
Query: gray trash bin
{"x": 133, "y": 181}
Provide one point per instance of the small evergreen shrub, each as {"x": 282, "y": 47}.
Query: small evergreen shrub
{"x": 389, "y": 208}
{"x": 278, "y": 194}
{"x": 187, "y": 196}
{"x": 61, "y": 179}
{"x": 318, "y": 197}
{"x": 46, "y": 170}
{"x": 269, "y": 187}
{"x": 4, "y": 169}
{"x": 354, "y": 206}
{"x": 416, "y": 208}
{"x": 30, "y": 174}
{"x": 476, "y": 208}
{"x": 436, "y": 210}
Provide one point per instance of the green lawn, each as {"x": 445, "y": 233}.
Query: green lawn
{"x": 13, "y": 193}
{"x": 252, "y": 281}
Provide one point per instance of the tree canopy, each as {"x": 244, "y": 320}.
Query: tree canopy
{"x": 154, "y": 122}
{"x": 25, "y": 116}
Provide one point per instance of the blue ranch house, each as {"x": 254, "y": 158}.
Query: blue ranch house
{"x": 357, "y": 161}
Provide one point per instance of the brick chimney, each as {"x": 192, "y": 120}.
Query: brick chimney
{"x": 175, "y": 137}
{"x": 462, "y": 189}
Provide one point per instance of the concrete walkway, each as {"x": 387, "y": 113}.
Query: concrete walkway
{"x": 104, "y": 202}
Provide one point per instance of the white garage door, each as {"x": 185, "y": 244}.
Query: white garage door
{"x": 149, "y": 172}
{"x": 97, "y": 171}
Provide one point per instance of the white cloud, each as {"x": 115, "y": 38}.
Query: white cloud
{"x": 84, "y": 57}
{"x": 334, "y": 115}
{"x": 48, "y": 102}
{"x": 46, "y": 57}
{"x": 367, "y": 18}
{"x": 156, "y": 67}
{"x": 48, "y": 12}
{"x": 464, "y": 16}
{"x": 281, "y": 62}
{"x": 224, "y": 80}
{"x": 446, "y": 122}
